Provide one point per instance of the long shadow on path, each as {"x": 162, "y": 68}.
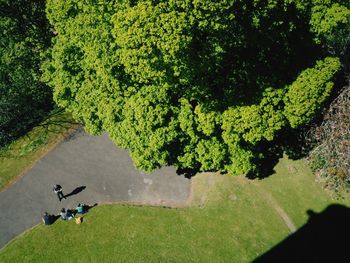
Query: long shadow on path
{"x": 75, "y": 191}
{"x": 324, "y": 238}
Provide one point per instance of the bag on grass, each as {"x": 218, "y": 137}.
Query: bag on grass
{"x": 78, "y": 220}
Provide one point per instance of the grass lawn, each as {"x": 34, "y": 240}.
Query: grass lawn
{"x": 229, "y": 220}
{"x": 295, "y": 189}
{"x": 21, "y": 155}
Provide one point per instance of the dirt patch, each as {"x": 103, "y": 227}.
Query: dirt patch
{"x": 280, "y": 211}
{"x": 201, "y": 185}
{"x": 291, "y": 168}
{"x": 232, "y": 197}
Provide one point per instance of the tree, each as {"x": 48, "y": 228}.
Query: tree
{"x": 24, "y": 99}
{"x": 307, "y": 94}
{"x": 196, "y": 84}
{"x": 330, "y": 21}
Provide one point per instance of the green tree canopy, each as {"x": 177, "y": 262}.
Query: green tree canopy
{"x": 330, "y": 22}
{"x": 195, "y": 83}
{"x": 24, "y": 35}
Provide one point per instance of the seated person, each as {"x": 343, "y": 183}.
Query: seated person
{"x": 66, "y": 215}
{"x": 81, "y": 209}
{"x": 46, "y": 219}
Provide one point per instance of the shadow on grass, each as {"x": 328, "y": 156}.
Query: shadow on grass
{"x": 324, "y": 238}
{"x": 52, "y": 219}
{"x": 293, "y": 143}
{"x": 88, "y": 207}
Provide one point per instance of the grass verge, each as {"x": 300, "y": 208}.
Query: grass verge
{"x": 21, "y": 155}
{"x": 295, "y": 189}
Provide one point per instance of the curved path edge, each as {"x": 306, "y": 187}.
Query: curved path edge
{"x": 91, "y": 169}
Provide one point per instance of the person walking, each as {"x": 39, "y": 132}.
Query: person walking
{"x": 59, "y": 191}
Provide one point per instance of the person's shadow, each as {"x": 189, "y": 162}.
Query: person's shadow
{"x": 53, "y": 218}
{"x": 88, "y": 207}
{"x": 75, "y": 191}
{"x": 324, "y": 238}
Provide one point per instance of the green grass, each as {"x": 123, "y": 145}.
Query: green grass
{"x": 229, "y": 220}
{"x": 19, "y": 156}
{"x": 295, "y": 189}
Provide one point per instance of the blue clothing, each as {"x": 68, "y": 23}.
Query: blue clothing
{"x": 66, "y": 215}
{"x": 47, "y": 219}
{"x": 80, "y": 209}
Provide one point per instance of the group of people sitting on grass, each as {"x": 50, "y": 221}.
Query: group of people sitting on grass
{"x": 66, "y": 214}
{"x": 69, "y": 214}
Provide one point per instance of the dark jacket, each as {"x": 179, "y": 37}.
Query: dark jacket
{"x": 57, "y": 188}
{"x": 47, "y": 219}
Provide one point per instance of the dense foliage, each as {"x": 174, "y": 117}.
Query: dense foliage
{"x": 24, "y": 35}
{"x": 330, "y": 22}
{"x": 195, "y": 83}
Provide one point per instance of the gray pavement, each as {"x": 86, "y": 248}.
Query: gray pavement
{"x": 91, "y": 161}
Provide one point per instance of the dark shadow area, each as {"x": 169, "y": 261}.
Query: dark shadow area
{"x": 75, "y": 191}
{"x": 271, "y": 153}
{"x": 295, "y": 142}
{"x": 72, "y": 212}
{"x": 298, "y": 143}
{"x": 88, "y": 207}
{"x": 187, "y": 172}
{"x": 224, "y": 78}
{"x": 53, "y": 218}
{"x": 49, "y": 219}
{"x": 324, "y": 238}
{"x": 25, "y": 101}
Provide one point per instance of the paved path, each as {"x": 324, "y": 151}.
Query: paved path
{"x": 91, "y": 161}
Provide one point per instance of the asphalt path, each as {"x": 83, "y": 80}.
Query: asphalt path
{"x": 91, "y": 169}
